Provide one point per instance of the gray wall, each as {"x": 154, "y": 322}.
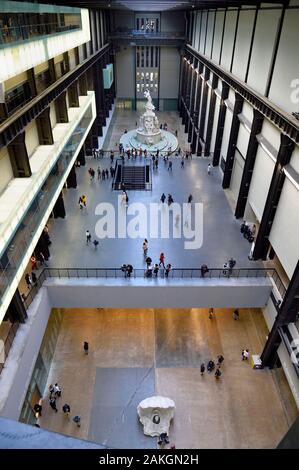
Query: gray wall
{"x": 125, "y": 73}
{"x": 172, "y": 21}
{"x": 169, "y": 72}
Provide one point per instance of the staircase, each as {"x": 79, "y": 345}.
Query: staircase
{"x": 133, "y": 177}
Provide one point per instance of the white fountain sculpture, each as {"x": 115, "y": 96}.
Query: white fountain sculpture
{"x": 149, "y": 132}
{"x": 155, "y": 414}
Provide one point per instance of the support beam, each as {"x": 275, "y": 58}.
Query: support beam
{"x": 19, "y": 157}
{"x": 72, "y": 179}
{"x": 220, "y": 125}
{"x": 59, "y": 209}
{"x": 211, "y": 115}
{"x": 73, "y": 95}
{"x": 256, "y": 128}
{"x": 204, "y": 100}
{"x": 287, "y": 314}
{"x": 44, "y": 128}
{"x": 61, "y": 108}
{"x": 283, "y": 158}
{"x": 233, "y": 137}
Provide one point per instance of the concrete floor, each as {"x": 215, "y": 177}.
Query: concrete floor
{"x": 138, "y": 353}
{"x": 221, "y": 234}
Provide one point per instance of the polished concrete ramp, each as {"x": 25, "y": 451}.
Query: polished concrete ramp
{"x": 117, "y": 392}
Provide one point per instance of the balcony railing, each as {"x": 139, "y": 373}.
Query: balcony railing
{"x": 13, "y": 34}
{"x": 176, "y": 273}
{"x": 19, "y": 244}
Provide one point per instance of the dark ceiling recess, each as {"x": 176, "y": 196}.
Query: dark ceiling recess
{"x": 159, "y": 5}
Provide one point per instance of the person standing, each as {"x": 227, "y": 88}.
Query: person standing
{"x": 95, "y": 244}
{"x": 168, "y": 269}
{"x": 77, "y": 420}
{"x": 217, "y": 373}
{"x": 148, "y": 261}
{"x": 84, "y": 200}
{"x": 57, "y": 390}
{"x": 182, "y": 163}
{"x": 85, "y": 347}
{"x": 66, "y": 409}
{"x": 53, "y": 403}
{"x": 202, "y": 369}
{"x": 190, "y": 198}
{"x": 211, "y": 313}
{"x": 163, "y": 197}
{"x": 99, "y": 172}
{"x": 33, "y": 262}
{"x": 245, "y": 354}
{"x": 28, "y": 280}
{"x": 145, "y": 247}
{"x": 156, "y": 270}
{"x": 209, "y": 169}
{"x": 170, "y": 165}
{"x": 33, "y": 277}
{"x": 38, "y": 410}
{"x": 236, "y": 314}
{"x": 88, "y": 237}
{"x": 220, "y": 360}
{"x": 161, "y": 260}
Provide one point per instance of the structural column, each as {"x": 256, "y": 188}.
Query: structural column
{"x": 72, "y": 179}
{"x": 19, "y": 157}
{"x": 211, "y": 115}
{"x": 287, "y": 313}
{"x": 204, "y": 100}
{"x": 16, "y": 311}
{"x": 220, "y": 124}
{"x": 42, "y": 246}
{"x": 233, "y": 137}
{"x": 283, "y": 158}
{"x": 191, "y": 106}
{"x": 44, "y": 128}
{"x": 59, "y": 209}
{"x": 256, "y": 128}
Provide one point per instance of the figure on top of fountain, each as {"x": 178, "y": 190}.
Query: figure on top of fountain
{"x": 149, "y": 123}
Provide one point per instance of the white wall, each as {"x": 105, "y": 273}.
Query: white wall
{"x": 218, "y": 35}
{"x": 264, "y": 38}
{"x": 237, "y": 174}
{"x": 241, "y": 55}
{"x": 287, "y": 63}
{"x": 31, "y": 138}
{"x": 210, "y": 33}
{"x": 228, "y": 41}
{"x": 284, "y": 235}
{"x": 53, "y": 115}
{"x": 6, "y": 173}
{"x": 295, "y": 159}
{"x": 243, "y": 139}
{"x": 203, "y": 31}
{"x": 260, "y": 182}
{"x": 226, "y": 133}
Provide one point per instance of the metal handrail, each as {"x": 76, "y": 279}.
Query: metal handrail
{"x": 176, "y": 273}
{"x": 12, "y": 34}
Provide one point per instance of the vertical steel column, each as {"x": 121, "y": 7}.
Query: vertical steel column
{"x": 233, "y": 137}
{"x": 211, "y": 114}
{"x": 283, "y": 158}
{"x": 256, "y": 128}
{"x": 220, "y": 124}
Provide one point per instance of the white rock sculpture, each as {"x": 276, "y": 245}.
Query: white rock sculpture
{"x": 156, "y": 413}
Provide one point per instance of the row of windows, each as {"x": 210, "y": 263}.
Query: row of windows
{"x": 147, "y": 56}
{"x": 147, "y": 24}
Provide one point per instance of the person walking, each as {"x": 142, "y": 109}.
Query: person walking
{"x": 77, "y": 420}
{"x": 170, "y": 165}
{"x": 66, "y": 409}
{"x": 217, "y": 374}
{"x": 51, "y": 390}
{"x": 129, "y": 270}
{"x": 88, "y": 237}
{"x": 163, "y": 197}
{"x": 204, "y": 269}
{"x": 161, "y": 260}
{"x": 245, "y": 354}
{"x": 202, "y": 369}
{"x": 211, "y": 313}
{"x": 99, "y": 172}
{"x": 236, "y": 314}
{"x": 53, "y": 403}
{"x": 38, "y": 410}
{"x": 85, "y": 347}
{"x": 209, "y": 169}
{"x": 145, "y": 247}
{"x": 190, "y": 198}
{"x": 80, "y": 202}
{"x": 95, "y": 244}
{"x": 182, "y": 163}
{"x": 28, "y": 280}
{"x": 103, "y": 174}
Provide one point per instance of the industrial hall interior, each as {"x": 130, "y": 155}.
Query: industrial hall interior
{"x": 149, "y": 224}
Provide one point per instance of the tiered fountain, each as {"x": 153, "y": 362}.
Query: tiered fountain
{"x": 148, "y": 135}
